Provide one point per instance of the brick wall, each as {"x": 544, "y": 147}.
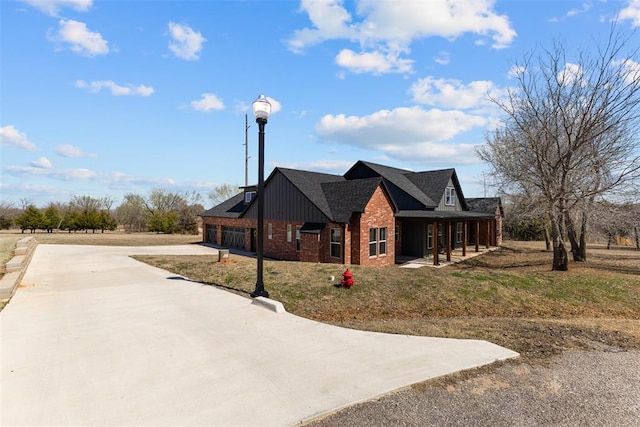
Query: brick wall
{"x": 317, "y": 247}
{"x": 277, "y": 247}
{"x": 378, "y": 214}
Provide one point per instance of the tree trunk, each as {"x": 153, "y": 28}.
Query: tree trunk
{"x": 637, "y": 238}
{"x": 582, "y": 248}
{"x": 560, "y": 258}
{"x": 547, "y": 238}
{"x": 609, "y": 238}
{"x": 578, "y": 242}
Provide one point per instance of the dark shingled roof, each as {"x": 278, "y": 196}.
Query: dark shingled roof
{"x": 338, "y": 197}
{"x": 230, "y": 208}
{"x": 310, "y": 184}
{"x": 399, "y": 178}
{"x": 485, "y": 205}
{"x": 346, "y": 197}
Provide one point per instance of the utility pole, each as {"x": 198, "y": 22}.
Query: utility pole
{"x": 246, "y": 151}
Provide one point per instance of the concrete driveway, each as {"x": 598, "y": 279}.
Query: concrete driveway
{"x": 93, "y": 337}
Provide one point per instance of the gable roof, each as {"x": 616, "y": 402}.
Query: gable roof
{"x": 395, "y": 176}
{"x": 433, "y": 183}
{"x": 346, "y": 197}
{"x": 310, "y": 184}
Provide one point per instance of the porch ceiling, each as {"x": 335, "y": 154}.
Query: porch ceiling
{"x": 444, "y": 215}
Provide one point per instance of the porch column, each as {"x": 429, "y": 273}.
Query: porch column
{"x": 448, "y": 226}
{"x": 488, "y": 241}
{"x": 464, "y": 238}
{"x": 477, "y": 236}
{"x": 434, "y": 230}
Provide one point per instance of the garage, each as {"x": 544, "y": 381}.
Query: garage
{"x": 233, "y": 237}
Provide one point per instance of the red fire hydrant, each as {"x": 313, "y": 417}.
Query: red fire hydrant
{"x": 347, "y": 279}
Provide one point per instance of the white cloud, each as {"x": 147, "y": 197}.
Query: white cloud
{"x": 451, "y": 93}
{"x": 116, "y": 89}
{"x": 10, "y": 136}
{"x": 208, "y": 102}
{"x": 331, "y": 21}
{"x": 42, "y": 162}
{"x": 570, "y": 74}
{"x": 631, "y": 12}
{"x": 412, "y": 134}
{"x": 275, "y": 105}
{"x": 123, "y": 181}
{"x": 52, "y": 7}
{"x": 70, "y": 151}
{"x": 516, "y": 71}
{"x": 577, "y": 11}
{"x": 373, "y": 62}
{"x": 630, "y": 69}
{"x": 443, "y": 58}
{"x": 388, "y": 28}
{"x": 186, "y": 43}
{"x": 82, "y": 40}
{"x": 60, "y": 174}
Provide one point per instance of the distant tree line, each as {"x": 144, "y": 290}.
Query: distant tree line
{"x": 160, "y": 211}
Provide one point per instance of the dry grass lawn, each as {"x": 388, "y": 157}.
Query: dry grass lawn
{"x": 508, "y": 296}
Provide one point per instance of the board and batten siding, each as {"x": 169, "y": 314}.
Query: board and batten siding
{"x": 443, "y": 207}
{"x": 283, "y": 201}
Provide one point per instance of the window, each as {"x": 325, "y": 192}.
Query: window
{"x": 459, "y": 232}
{"x": 288, "y": 232}
{"x": 373, "y": 242}
{"x": 450, "y": 196}
{"x": 430, "y": 236}
{"x": 336, "y": 242}
{"x": 377, "y": 241}
{"x": 248, "y": 196}
{"x": 298, "y": 238}
{"x": 382, "y": 242}
{"x": 269, "y": 231}
{"x": 397, "y": 234}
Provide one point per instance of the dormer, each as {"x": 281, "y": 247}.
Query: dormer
{"x": 249, "y": 193}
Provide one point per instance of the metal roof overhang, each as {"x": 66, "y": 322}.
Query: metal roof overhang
{"x": 444, "y": 215}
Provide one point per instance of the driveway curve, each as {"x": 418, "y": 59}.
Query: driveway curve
{"x": 93, "y": 337}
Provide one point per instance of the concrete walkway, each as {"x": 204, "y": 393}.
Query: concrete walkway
{"x": 93, "y": 337}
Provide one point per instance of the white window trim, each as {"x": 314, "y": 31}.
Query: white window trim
{"x": 289, "y": 233}
{"x": 450, "y": 196}
{"x": 380, "y": 241}
{"x": 338, "y": 244}
{"x": 373, "y": 242}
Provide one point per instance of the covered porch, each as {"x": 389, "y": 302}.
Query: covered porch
{"x": 443, "y": 236}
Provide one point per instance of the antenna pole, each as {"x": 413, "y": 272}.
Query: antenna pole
{"x": 246, "y": 151}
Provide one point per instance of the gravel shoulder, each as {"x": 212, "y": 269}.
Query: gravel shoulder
{"x": 577, "y": 388}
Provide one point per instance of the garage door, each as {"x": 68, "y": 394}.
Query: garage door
{"x": 233, "y": 237}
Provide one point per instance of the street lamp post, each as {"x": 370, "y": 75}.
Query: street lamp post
{"x": 261, "y": 110}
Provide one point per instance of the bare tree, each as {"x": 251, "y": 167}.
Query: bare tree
{"x": 221, "y": 193}
{"x": 570, "y": 134}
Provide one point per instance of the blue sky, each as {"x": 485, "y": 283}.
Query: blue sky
{"x": 104, "y": 98}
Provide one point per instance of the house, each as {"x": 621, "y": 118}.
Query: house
{"x": 369, "y": 216}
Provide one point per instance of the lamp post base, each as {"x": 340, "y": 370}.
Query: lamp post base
{"x": 261, "y": 293}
